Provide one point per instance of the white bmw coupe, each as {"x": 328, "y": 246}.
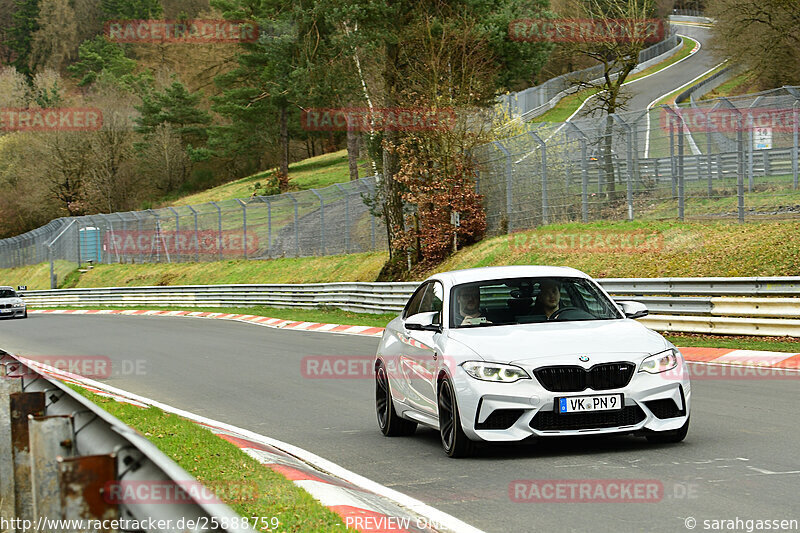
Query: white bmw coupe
{"x": 502, "y": 354}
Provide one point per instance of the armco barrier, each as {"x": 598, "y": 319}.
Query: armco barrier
{"x": 60, "y": 452}
{"x": 745, "y": 306}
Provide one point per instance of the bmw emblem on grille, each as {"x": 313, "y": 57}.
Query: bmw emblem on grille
{"x": 584, "y": 358}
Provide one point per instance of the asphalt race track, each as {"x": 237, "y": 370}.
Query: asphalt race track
{"x": 740, "y": 459}
{"x": 644, "y": 91}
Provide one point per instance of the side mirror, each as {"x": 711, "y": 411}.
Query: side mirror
{"x": 423, "y": 322}
{"x": 633, "y": 309}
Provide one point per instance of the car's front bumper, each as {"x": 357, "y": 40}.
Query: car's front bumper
{"x": 530, "y": 407}
{"x": 14, "y": 312}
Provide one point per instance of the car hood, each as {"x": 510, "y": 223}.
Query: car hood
{"x": 10, "y": 300}
{"x": 550, "y": 343}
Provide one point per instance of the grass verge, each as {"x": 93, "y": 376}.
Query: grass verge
{"x": 312, "y": 173}
{"x": 216, "y": 462}
{"x": 353, "y": 267}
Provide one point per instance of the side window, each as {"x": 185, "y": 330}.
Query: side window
{"x": 412, "y": 307}
{"x": 432, "y": 301}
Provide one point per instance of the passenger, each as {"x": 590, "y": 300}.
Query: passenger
{"x": 548, "y": 299}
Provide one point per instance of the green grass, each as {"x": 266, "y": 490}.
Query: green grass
{"x": 37, "y": 276}
{"x": 353, "y": 267}
{"x": 770, "y": 344}
{"x": 312, "y": 173}
{"x": 740, "y": 84}
{"x": 216, "y": 462}
{"x": 722, "y": 248}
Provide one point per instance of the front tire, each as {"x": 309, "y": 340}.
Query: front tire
{"x": 669, "y": 437}
{"x": 388, "y": 420}
{"x": 454, "y": 441}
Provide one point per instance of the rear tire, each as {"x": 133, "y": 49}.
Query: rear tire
{"x": 454, "y": 441}
{"x": 388, "y": 420}
{"x": 669, "y": 437}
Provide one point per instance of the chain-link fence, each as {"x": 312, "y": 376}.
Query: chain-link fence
{"x": 726, "y": 157}
{"x": 327, "y": 221}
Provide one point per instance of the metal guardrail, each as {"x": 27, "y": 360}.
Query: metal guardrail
{"x": 768, "y": 303}
{"x": 59, "y": 452}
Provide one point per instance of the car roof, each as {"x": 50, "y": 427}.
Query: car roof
{"x": 6, "y": 287}
{"x": 469, "y": 275}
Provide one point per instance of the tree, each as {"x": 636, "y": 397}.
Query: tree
{"x": 761, "y": 35}
{"x": 618, "y": 57}
{"x": 19, "y": 36}
{"x": 102, "y": 59}
{"x": 385, "y": 30}
{"x": 14, "y": 88}
{"x": 56, "y": 40}
{"x": 131, "y": 9}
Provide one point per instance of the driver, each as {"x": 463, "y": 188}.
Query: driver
{"x": 548, "y": 299}
{"x": 469, "y": 306}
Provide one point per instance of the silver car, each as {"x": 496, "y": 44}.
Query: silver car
{"x": 11, "y": 305}
{"x": 503, "y": 354}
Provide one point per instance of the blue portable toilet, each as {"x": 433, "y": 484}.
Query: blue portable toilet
{"x": 91, "y": 247}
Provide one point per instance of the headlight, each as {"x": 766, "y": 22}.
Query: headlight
{"x": 494, "y": 371}
{"x": 660, "y": 362}
{"x": 19, "y": 304}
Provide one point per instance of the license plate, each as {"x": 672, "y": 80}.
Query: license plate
{"x": 584, "y": 404}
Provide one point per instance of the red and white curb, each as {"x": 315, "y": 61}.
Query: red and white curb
{"x": 749, "y": 358}
{"x": 363, "y": 504}
{"x": 249, "y": 319}
{"x": 726, "y": 356}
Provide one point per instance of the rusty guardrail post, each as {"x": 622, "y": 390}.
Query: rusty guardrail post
{"x": 8, "y": 385}
{"x": 83, "y": 481}
{"x": 22, "y": 405}
{"x": 50, "y": 437}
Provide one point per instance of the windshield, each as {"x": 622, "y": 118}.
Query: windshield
{"x": 528, "y": 300}
{"x": 7, "y": 293}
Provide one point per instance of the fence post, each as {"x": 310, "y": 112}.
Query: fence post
{"x": 196, "y": 235}
{"x": 795, "y": 128}
{"x": 740, "y": 161}
{"x": 78, "y": 240}
{"x": 296, "y": 230}
{"x": 750, "y": 148}
{"x": 244, "y": 227}
{"x": 321, "y": 220}
{"x": 629, "y": 149}
{"x": 509, "y": 183}
{"x": 177, "y": 239}
{"x": 219, "y": 229}
{"x": 545, "y": 204}
{"x": 346, "y": 218}
{"x": 582, "y": 139}
{"x": 266, "y": 200}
